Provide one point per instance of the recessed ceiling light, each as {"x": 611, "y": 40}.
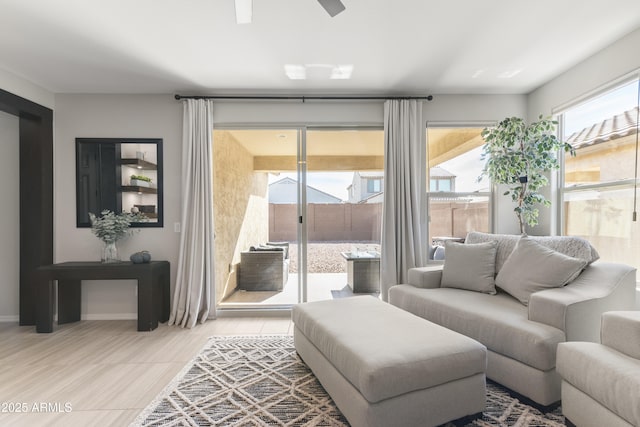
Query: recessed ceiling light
{"x": 295, "y": 71}
{"x": 341, "y": 72}
{"x": 318, "y": 71}
{"x": 244, "y": 11}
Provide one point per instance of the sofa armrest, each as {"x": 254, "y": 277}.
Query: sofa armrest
{"x": 577, "y": 307}
{"x": 426, "y": 277}
{"x": 621, "y": 331}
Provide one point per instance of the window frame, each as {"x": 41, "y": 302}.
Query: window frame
{"x": 559, "y": 114}
{"x": 491, "y": 194}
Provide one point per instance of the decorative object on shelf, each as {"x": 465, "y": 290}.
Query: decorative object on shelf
{"x": 142, "y": 257}
{"x": 519, "y": 155}
{"x": 110, "y": 227}
{"x": 141, "y": 181}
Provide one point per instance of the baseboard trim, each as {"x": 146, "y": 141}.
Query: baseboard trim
{"x": 253, "y": 312}
{"x": 109, "y": 316}
{"x": 101, "y": 316}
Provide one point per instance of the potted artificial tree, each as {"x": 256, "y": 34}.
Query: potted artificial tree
{"x": 518, "y": 155}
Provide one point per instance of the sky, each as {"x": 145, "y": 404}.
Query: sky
{"x": 601, "y": 108}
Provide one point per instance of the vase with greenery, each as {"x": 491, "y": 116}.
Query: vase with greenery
{"x": 519, "y": 155}
{"x": 111, "y": 227}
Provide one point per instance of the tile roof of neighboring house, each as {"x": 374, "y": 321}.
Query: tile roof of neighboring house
{"x": 614, "y": 127}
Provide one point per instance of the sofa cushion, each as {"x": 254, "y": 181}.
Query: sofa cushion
{"x": 621, "y": 331}
{"x": 532, "y": 267}
{"x": 499, "y": 321}
{"x": 606, "y": 375}
{"x": 283, "y": 245}
{"x": 572, "y": 246}
{"x": 470, "y": 266}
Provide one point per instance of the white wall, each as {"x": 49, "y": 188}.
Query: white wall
{"x": 21, "y": 87}
{"x": 612, "y": 62}
{"x": 114, "y": 116}
{"x": 9, "y": 217}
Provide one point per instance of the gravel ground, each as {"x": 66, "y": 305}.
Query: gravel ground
{"x": 325, "y": 257}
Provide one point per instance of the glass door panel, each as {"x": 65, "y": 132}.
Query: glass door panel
{"x": 256, "y": 193}
{"x": 344, "y": 192}
{"x": 458, "y": 202}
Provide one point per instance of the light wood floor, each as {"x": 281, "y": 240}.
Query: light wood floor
{"x": 105, "y": 370}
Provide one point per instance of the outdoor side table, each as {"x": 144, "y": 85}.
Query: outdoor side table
{"x": 363, "y": 271}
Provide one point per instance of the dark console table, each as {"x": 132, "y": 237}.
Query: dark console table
{"x": 153, "y": 290}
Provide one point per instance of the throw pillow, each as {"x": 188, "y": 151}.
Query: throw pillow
{"x": 533, "y": 267}
{"x": 470, "y": 266}
{"x": 284, "y": 245}
{"x": 572, "y": 246}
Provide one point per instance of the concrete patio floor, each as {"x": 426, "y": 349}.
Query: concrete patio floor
{"x": 319, "y": 287}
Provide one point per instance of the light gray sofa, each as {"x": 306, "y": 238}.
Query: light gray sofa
{"x": 521, "y": 339}
{"x": 601, "y": 382}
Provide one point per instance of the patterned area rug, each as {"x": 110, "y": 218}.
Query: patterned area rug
{"x": 261, "y": 381}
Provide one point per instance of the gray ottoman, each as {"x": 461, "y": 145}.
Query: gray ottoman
{"x": 386, "y": 367}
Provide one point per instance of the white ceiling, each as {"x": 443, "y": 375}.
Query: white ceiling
{"x": 401, "y": 47}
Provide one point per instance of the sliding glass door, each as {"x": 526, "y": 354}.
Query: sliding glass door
{"x": 289, "y": 203}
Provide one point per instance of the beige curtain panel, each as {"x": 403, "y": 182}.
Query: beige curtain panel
{"x": 194, "y": 295}
{"x": 404, "y": 238}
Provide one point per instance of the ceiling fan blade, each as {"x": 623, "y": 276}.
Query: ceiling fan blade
{"x": 333, "y": 7}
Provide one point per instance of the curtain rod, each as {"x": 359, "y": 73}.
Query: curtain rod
{"x": 303, "y": 98}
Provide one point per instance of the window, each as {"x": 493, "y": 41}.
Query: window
{"x": 598, "y": 191}
{"x": 374, "y": 186}
{"x": 440, "y": 184}
{"x": 458, "y": 203}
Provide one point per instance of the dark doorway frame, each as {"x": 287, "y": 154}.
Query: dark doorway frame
{"x": 36, "y": 195}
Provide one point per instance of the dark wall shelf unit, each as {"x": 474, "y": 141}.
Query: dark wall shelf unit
{"x": 137, "y": 189}
{"x": 139, "y": 164}
{"x": 104, "y": 171}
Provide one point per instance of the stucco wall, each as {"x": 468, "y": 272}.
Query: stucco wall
{"x": 241, "y": 209}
